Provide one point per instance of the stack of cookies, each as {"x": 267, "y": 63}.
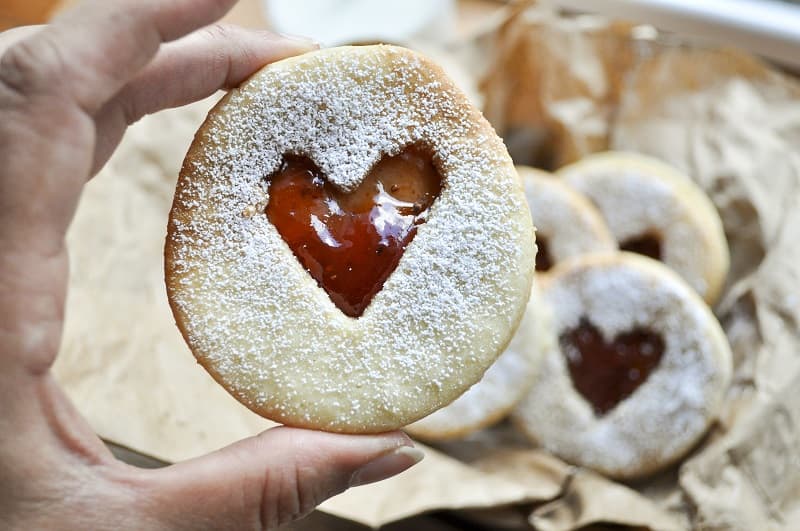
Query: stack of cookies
{"x": 627, "y": 366}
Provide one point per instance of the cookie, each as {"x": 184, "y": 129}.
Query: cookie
{"x": 349, "y": 246}
{"x": 503, "y": 385}
{"x": 567, "y": 223}
{"x": 654, "y": 210}
{"x": 639, "y": 370}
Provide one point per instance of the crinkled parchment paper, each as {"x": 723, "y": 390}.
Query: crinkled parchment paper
{"x": 556, "y": 89}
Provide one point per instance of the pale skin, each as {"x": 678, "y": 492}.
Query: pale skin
{"x": 67, "y": 93}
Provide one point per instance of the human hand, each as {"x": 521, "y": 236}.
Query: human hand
{"x": 67, "y": 93}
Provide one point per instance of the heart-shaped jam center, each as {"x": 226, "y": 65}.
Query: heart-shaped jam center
{"x": 646, "y": 244}
{"x": 543, "y": 259}
{"x": 606, "y": 373}
{"x": 351, "y": 242}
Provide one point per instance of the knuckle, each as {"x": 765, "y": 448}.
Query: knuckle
{"x": 130, "y": 108}
{"x": 32, "y": 65}
{"x": 219, "y": 61}
{"x": 231, "y": 53}
{"x": 294, "y": 495}
{"x": 218, "y": 31}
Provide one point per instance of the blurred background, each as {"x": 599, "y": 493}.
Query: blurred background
{"x": 767, "y": 27}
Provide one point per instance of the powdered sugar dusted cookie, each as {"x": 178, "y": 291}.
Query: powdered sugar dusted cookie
{"x": 639, "y": 371}
{"x": 503, "y": 385}
{"x": 567, "y": 223}
{"x": 349, "y": 246}
{"x": 653, "y": 209}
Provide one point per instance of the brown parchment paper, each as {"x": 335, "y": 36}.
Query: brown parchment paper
{"x": 560, "y": 88}
{"x": 556, "y": 88}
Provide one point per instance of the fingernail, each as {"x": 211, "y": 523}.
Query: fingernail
{"x": 387, "y": 465}
{"x": 300, "y": 39}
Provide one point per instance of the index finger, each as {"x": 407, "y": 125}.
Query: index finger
{"x": 89, "y": 53}
{"x": 14, "y": 35}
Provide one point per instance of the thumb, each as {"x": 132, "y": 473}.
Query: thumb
{"x": 273, "y": 478}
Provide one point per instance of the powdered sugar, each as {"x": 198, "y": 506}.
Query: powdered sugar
{"x": 638, "y": 195}
{"x": 254, "y": 316}
{"x": 501, "y": 387}
{"x": 569, "y": 223}
{"x": 671, "y": 409}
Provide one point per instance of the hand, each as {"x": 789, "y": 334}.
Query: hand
{"x": 67, "y": 93}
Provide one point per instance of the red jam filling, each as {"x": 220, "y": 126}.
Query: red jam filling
{"x": 351, "y": 242}
{"x": 606, "y": 373}
{"x": 647, "y": 244}
{"x": 543, "y": 259}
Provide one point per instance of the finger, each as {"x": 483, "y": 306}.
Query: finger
{"x": 89, "y": 53}
{"x": 14, "y": 35}
{"x": 192, "y": 68}
{"x": 219, "y": 56}
{"x": 276, "y": 477}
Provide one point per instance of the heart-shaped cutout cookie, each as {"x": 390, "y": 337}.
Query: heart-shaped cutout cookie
{"x": 350, "y": 242}
{"x": 606, "y": 373}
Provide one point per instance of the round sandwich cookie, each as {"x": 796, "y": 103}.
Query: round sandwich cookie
{"x": 502, "y": 386}
{"x": 654, "y": 210}
{"x": 567, "y": 223}
{"x": 639, "y": 370}
{"x": 349, "y": 246}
